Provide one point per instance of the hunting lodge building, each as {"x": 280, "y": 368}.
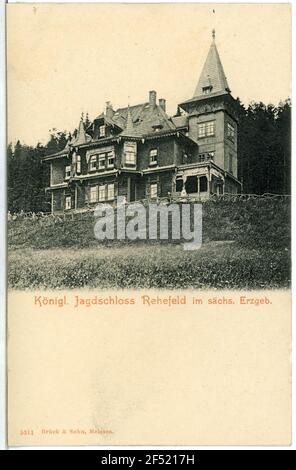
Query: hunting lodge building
{"x": 139, "y": 152}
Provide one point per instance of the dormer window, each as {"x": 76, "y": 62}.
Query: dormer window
{"x": 102, "y": 131}
{"x": 157, "y": 127}
{"x": 207, "y": 90}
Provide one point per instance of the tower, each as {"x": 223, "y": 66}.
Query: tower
{"x": 213, "y": 122}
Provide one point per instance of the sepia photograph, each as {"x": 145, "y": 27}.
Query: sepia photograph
{"x": 127, "y": 119}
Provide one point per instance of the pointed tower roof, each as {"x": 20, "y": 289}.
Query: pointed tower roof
{"x": 82, "y": 137}
{"x": 129, "y": 130}
{"x": 212, "y": 78}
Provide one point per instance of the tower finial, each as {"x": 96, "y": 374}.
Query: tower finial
{"x": 213, "y": 34}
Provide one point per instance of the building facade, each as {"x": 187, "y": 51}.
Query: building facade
{"x": 139, "y": 152}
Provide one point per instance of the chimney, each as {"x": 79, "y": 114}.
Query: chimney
{"x": 162, "y": 103}
{"x": 109, "y": 110}
{"x": 152, "y": 98}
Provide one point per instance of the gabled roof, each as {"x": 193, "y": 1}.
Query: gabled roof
{"x": 212, "y": 74}
{"x": 120, "y": 115}
{"x": 180, "y": 121}
{"x": 139, "y": 120}
{"x": 107, "y": 120}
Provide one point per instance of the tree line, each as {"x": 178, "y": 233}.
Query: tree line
{"x": 264, "y": 158}
{"x": 264, "y": 148}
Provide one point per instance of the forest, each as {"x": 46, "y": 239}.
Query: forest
{"x": 264, "y": 158}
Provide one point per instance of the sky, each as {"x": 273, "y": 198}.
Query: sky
{"x": 65, "y": 59}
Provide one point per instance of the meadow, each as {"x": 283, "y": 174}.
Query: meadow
{"x": 246, "y": 245}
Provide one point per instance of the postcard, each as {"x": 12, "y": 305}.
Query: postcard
{"x": 148, "y": 224}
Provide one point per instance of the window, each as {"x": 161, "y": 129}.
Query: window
{"x": 153, "y": 157}
{"x": 102, "y": 193}
{"x": 67, "y": 171}
{"x": 179, "y": 184}
{"x": 102, "y": 131}
{"x": 110, "y": 159}
{"x": 110, "y": 191}
{"x": 93, "y": 194}
{"x": 68, "y": 202}
{"x": 206, "y": 129}
{"x": 157, "y": 127}
{"x": 153, "y": 190}
{"x": 191, "y": 184}
{"x": 78, "y": 164}
{"x": 210, "y": 128}
{"x": 130, "y": 158}
{"x": 93, "y": 163}
{"x": 207, "y": 89}
{"x": 204, "y": 157}
{"x": 102, "y": 161}
{"x": 130, "y": 152}
{"x": 203, "y": 184}
{"x": 230, "y": 131}
{"x": 201, "y": 130}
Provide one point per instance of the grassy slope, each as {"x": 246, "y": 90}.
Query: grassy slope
{"x": 55, "y": 253}
{"x": 218, "y": 265}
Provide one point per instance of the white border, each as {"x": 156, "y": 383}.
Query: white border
{"x": 2, "y": 230}
{"x": 3, "y": 247}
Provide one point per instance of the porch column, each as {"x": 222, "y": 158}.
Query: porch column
{"x": 75, "y": 197}
{"x": 128, "y": 189}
